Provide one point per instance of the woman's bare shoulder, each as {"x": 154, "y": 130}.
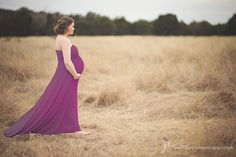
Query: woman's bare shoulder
{"x": 62, "y": 42}
{"x": 61, "y": 39}
{"x": 65, "y": 41}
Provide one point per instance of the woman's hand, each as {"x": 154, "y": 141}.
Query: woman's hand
{"x": 77, "y": 76}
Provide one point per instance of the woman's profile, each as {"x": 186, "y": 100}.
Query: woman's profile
{"x": 56, "y": 110}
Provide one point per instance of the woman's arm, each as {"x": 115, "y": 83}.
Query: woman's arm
{"x": 66, "y": 50}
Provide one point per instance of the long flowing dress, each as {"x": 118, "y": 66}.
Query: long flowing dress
{"x": 56, "y": 109}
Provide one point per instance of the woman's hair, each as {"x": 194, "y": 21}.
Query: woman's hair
{"x": 62, "y": 24}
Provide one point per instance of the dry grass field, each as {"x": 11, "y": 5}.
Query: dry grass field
{"x": 140, "y": 96}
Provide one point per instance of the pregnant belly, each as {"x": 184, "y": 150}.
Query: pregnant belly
{"x": 79, "y": 64}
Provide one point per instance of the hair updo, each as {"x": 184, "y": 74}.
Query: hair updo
{"x": 62, "y": 24}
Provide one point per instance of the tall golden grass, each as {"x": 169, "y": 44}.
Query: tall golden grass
{"x": 136, "y": 95}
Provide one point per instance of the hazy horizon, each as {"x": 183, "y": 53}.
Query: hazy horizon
{"x": 197, "y": 10}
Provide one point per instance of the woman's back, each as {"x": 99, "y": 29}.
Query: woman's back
{"x": 60, "y": 40}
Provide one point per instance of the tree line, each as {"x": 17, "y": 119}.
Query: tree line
{"x": 25, "y": 22}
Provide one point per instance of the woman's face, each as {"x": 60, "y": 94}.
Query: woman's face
{"x": 70, "y": 29}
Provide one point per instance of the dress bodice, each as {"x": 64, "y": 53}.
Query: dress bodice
{"x": 75, "y": 57}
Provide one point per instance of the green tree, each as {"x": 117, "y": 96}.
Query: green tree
{"x": 142, "y": 27}
{"x": 166, "y": 25}
{"x": 231, "y": 26}
{"x": 200, "y": 28}
{"x": 122, "y": 26}
{"x": 22, "y": 20}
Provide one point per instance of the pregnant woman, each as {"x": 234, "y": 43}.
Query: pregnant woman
{"x": 56, "y": 109}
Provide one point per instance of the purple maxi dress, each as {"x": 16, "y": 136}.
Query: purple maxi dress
{"x": 56, "y": 109}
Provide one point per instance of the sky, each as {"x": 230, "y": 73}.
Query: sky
{"x": 213, "y": 11}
